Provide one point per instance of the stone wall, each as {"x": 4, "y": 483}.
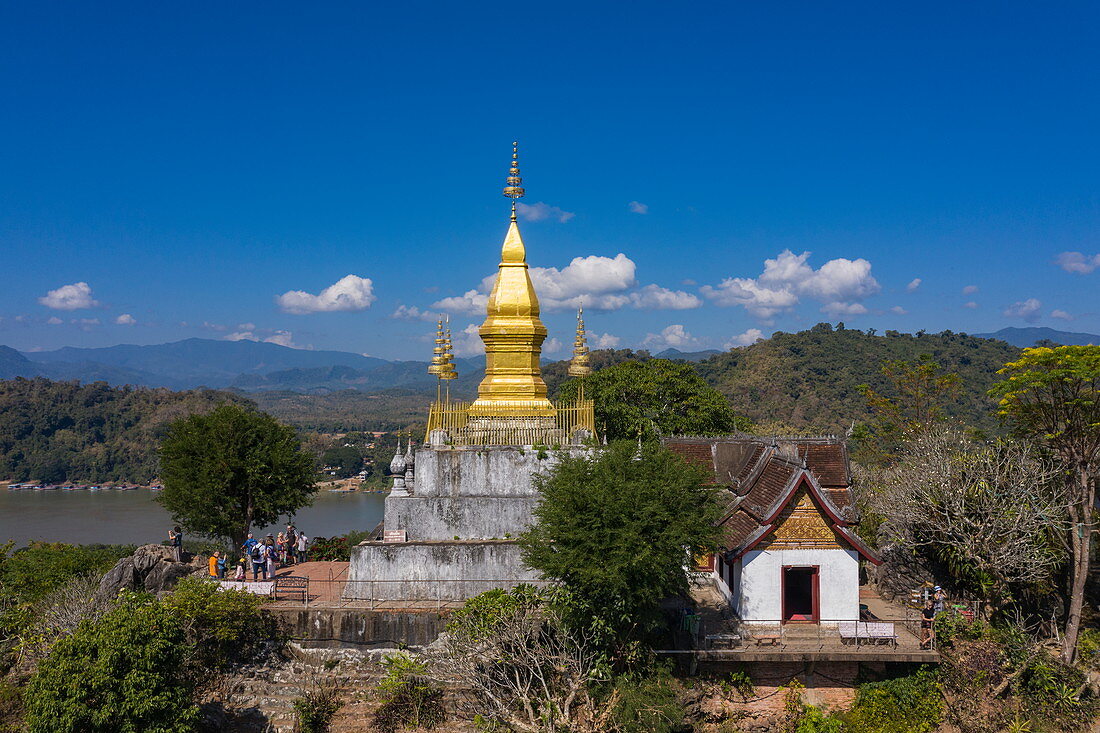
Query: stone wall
{"x": 434, "y": 571}
{"x": 469, "y": 493}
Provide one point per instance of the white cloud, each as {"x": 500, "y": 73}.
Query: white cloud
{"x": 899, "y": 311}
{"x": 844, "y": 309}
{"x": 839, "y": 284}
{"x": 972, "y": 305}
{"x": 1025, "y": 309}
{"x": 603, "y": 341}
{"x": 246, "y": 326}
{"x": 126, "y": 320}
{"x": 970, "y": 289}
{"x": 750, "y": 336}
{"x": 211, "y": 326}
{"x": 913, "y": 284}
{"x": 541, "y": 210}
{"x": 1077, "y": 262}
{"x": 280, "y": 337}
{"x": 69, "y": 297}
{"x": 54, "y": 321}
{"x": 674, "y": 336}
{"x": 86, "y": 324}
{"x": 467, "y": 342}
{"x": 656, "y": 297}
{"x": 1061, "y": 314}
{"x": 552, "y": 346}
{"x": 412, "y": 313}
{"x": 349, "y": 293}
{"x": 638, "y": 207}
{"x": 469, "y": 302}
{"x": 594, "y": 282}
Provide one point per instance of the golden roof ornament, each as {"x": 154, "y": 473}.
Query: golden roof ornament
{"x": 447, "y": 370}
{"x": 514, "y": 189}
{"x": 579, "y": 367}
{"x": 439, "y": 352}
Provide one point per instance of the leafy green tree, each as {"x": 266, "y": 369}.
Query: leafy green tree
{"x": 225, "y": 627}
{"x": 616, "y": 528}
{"x": 347, "y": 460}
{"x": 231, "y": 469}
{"x": 922, "y": 392}
{"x": 1053, "y": 396}
{"x": 652, "y": 398}
{"x": 123, "y": 673}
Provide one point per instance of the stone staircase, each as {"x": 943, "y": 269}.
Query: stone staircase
{"x": 260, "y": 699}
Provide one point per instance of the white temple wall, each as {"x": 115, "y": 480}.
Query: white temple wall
{"x": 758, "y": 596}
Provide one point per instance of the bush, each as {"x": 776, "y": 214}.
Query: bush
{"x": 225, "y": 626}
{"x": 910, "y": 704}
{"x": 123, "y": 673}
{"x": 409, "y": 700}
{"x": 314, "y": 710}
{"x": 330, "y": 548}
{"x": 646, "y": 705}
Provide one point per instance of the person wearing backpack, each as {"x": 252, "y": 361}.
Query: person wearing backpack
{"x": 259, "y": 561}
{"x": 291, "y": 544}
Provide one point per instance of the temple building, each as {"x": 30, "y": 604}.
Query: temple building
{"x": 788, "y": 549}
{"x": 461, "y": 498}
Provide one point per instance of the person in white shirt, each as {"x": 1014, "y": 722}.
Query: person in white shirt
{"x": 303, "y": 543}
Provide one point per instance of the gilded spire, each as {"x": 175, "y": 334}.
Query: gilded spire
{"x": 512, "y": 332}
{"x": 579, "y": 367}
{"x": 448, "y": 371}
{"x": 439, "y": 357}
{"x": 514, "y": 188}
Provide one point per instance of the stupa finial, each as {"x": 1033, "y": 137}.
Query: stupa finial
{"x": 579, "y": 366}
{"x": 514, "y": 188}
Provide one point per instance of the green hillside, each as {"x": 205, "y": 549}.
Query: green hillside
{"x": 808, "y": 380}
{"x": 65, "y": 431}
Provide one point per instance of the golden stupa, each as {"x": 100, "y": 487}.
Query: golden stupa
{"x": 512, "y": 331}
{"x": 511, "y": 406}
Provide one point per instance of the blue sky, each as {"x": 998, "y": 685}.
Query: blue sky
{"x": 172, "y": 171}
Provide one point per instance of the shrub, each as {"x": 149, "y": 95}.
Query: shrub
{"x": 646, "y": 705}
{"x": 314, "y": 710}
{"x": 409, "y": 700}
{"x": 910, "y": 704}
{"x": 330, "y": 548}
{"x": 123, "y": 673}
{"x": 225, "y": 626}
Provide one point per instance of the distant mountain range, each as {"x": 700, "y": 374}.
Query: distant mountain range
{"x": 1027, "y": 337}
{"x": 251, "y": 366}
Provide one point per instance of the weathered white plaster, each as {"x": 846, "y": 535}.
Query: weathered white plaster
{"x": 758, "y": 594}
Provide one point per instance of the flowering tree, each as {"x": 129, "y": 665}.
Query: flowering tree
{"x": 1053, "y": 396}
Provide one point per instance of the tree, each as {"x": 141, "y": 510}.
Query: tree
{"x": 125, "y": 672}
{"x": 987, "y": 510}
{"x": 654, "y": 398}
{"x": 233, "y": 468}
{"x": 1053, "y": 396}
{"x": 616, "y": 528}
{"x": 347, "y": 460}
{"x": 922, "y": 391}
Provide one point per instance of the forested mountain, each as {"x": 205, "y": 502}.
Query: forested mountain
{"x": 1030, "y": 336}
{"x": 58, "y": 431}
{"x": 809, "y": 380}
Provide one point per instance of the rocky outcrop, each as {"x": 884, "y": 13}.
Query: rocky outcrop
{"x": 151, "y": 568}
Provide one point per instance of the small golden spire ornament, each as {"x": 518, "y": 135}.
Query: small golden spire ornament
{"x": 579, "y": 367}
{"x": 438, "y": 358}
{"x": 514, "y": 189}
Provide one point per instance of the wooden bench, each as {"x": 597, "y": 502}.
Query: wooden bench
{"x": 722, "y": 640}
{"x": 291, "y": 585}
{"x": 771, "y": 639}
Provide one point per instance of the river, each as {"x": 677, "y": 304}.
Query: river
{"x": 133, "y": 517}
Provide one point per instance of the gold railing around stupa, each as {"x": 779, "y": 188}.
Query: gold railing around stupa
{"x": 511, "y": 426}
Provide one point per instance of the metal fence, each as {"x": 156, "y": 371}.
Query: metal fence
{"x": 511, "y": 424}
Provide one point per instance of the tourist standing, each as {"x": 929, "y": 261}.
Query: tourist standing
{"x": 928, "y": 615}
{"x": 248, "y": 545}
{"x": 223, "y": 560}
{"x": 303, "y": 543}
{"x": 175, "y": 541}
{"x": 939, "y": 600}
{"x": 259, "y": 561}
{"x": 271, "y": 557}
{"x": 291, "y": 544}
{"x": 280, "y": 548}
{"x": 213, "y": 565}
